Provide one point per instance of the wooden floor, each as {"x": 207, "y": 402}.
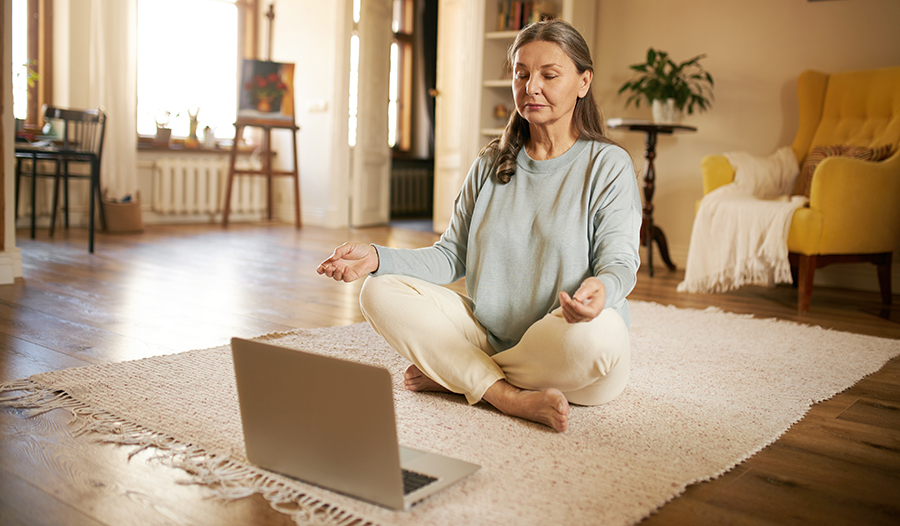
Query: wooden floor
{"x": 177, "y": 288}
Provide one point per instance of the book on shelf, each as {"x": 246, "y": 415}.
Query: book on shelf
{"x": 514, "y": 15}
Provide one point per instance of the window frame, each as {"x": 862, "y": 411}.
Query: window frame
{"x": 405, "y": 39}
{"x": 39, "y": 53}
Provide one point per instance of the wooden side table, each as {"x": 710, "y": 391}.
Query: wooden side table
{"x": 649, "y": 231}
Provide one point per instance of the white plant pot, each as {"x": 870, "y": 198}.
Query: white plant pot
{"x": 665, "y": 112}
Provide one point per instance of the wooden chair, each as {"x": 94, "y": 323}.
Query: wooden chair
{"x": 80, "y": 140}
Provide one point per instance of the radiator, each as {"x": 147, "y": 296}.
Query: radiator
{"x": 196, "y": 185}
{"x": 412, "y": 189}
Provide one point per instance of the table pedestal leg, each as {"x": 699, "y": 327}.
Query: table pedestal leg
{"x": 649, "y": 234}
{"x": 649, "y": 231}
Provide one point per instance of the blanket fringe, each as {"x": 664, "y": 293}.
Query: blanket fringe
{"x": 224, "y": 477}
{"x": 728, "y": 280}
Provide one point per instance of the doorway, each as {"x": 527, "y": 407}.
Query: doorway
{"x": 413, "y": 80}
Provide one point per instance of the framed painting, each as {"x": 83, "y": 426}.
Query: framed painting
{"x": 266, "y": 92}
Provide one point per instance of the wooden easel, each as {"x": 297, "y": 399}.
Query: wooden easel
{"x": 266, "y": 169}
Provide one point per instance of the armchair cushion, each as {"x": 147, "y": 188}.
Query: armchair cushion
{"x": 764, "y": 177}
{"x": 820, "y": 153}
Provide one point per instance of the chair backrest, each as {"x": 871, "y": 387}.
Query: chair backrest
{"x": 82, "y": 130}
{"x": 857, "y": 108}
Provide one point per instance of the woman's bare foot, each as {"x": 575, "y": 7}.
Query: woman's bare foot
{"x": 416, "y": 380}
{"x": 548, "y": 407}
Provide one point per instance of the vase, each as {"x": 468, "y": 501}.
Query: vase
{"x": 163, "y": 135}
{"x": 665, "y": 112}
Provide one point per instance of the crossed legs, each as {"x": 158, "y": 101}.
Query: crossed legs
{"x": 554, "y": 363}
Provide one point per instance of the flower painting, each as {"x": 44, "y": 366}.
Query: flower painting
{"x": 267, "y": 90}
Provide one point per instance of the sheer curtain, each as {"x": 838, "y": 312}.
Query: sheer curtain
{"x": 112, "y": 86}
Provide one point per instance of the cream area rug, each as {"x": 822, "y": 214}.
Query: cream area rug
{"x": 708, "y": 389}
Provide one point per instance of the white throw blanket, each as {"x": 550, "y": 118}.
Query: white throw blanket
{"x": 740, "y": 232}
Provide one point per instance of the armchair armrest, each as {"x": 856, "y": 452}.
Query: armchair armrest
{"x": 717, "y": 171}
{"x": 859, "y": 202}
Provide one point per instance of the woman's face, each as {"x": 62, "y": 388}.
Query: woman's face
{"x": 546, "y": 84}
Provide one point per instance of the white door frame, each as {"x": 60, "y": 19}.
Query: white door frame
{"x": 370, "y": 169}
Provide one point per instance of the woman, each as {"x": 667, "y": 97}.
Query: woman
{"x": 545, "y": 231}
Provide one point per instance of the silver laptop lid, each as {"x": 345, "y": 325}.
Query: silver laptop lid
{"x": 323, "y": 420}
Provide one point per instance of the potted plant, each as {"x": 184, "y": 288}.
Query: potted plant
{"x": 163, "y": 131}
{"x": 668, "y": 87}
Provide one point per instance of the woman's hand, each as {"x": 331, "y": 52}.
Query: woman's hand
{"x": 589, "y": 300}
{"x": 350, "y": 262}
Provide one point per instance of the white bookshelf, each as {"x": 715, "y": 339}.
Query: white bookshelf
{"x": 495, "y": 80}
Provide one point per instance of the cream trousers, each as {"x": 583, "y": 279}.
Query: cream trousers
{"x": 435, "y": 328}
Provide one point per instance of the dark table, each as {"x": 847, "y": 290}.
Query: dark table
{"x": 649, "y": 231}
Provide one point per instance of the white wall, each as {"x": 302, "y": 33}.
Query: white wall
{"x": 314, "y": 35}
{"x": 755, "y": 52}
{"x": 10, "y": 258}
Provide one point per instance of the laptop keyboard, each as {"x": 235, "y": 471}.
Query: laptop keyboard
{"x": 413, "y": 481}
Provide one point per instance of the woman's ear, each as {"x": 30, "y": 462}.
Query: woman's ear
{"x": 586, "y": 78}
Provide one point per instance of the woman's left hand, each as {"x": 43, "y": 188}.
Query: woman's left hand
{"x": 586, "y": 304}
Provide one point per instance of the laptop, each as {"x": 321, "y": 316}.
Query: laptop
{"x": 330, "y": 422}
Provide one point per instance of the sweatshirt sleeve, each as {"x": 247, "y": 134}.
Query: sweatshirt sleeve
{"x": 616, "y": 213}
{"x": 445, "y": 261}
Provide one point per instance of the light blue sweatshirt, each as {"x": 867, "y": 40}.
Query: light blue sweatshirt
{"x": 556, "y": 223}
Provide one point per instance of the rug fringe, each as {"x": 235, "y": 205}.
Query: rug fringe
{"x": 224, "y": 477}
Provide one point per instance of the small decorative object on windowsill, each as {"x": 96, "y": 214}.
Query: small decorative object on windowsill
{"x": 163, "y": 131}
{"x": 209, "y": 138}
{"x": 670, "y": 88}
{"x": 163, "y": 136}
{"x": 192, "y": 141}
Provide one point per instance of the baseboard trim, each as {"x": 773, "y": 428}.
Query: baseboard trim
{"x": 10, "y": 266}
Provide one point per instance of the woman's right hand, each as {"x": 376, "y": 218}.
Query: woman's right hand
{"x": 350, "y": 262}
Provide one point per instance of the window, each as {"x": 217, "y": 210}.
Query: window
{"x": 353, "y": 119}
{"x": 401, "y": 76}
{"x": 32, "y": 64}
{"x": 400, "y": 105}
{"x": 20, "y": 58}
{"x": 187, "y": 64}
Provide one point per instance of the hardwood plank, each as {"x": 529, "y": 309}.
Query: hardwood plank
{"x": 846, "y": 441}
{"x": 101, "y": 482}
{"x": 805, "y": 487}
{"x": 21, "y": 504}
{"x": 874, "y": 413}
{"x": 20, "y": 359}
{"x": 685, "y": 510}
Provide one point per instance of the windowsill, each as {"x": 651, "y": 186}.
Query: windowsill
{"x": 146, "y": 143}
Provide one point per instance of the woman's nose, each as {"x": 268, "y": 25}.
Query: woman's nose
{"x": 534, "y": 85}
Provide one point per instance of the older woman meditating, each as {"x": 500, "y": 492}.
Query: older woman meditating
{"x": 546, "y": 232}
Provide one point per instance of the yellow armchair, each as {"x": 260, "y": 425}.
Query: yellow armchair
{"x": 854, "y": 206}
